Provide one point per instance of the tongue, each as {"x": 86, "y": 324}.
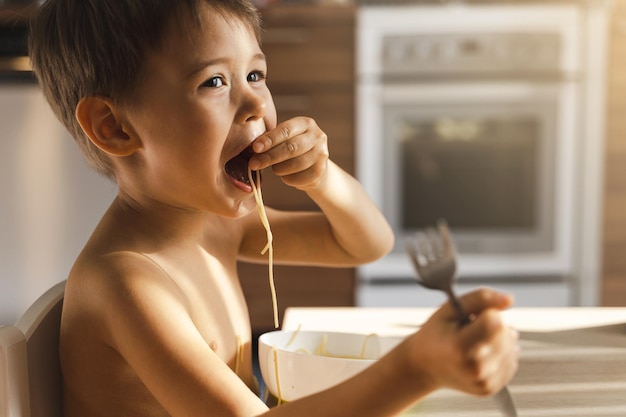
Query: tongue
{"x": 237, "y": 167}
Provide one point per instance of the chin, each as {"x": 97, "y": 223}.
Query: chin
{"x": 242, "y": 208}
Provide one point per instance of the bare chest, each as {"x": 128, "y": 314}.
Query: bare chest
{"x": 217, "y": 307}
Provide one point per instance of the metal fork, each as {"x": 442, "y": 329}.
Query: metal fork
{"x": 434, "y": 258}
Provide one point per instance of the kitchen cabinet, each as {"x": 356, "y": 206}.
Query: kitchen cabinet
{"x": 310, "y": 55}
{"x": 614, "y": 230}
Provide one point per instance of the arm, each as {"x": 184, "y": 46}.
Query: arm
{"x": 357, "y": 224}
{"x": 352, "y": 230}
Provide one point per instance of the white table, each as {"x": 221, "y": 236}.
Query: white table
{"x": 573, "y": 359}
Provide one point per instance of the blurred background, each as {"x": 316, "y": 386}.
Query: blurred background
{"x": 503, "y": 117}
{"x": 50, "y": 199}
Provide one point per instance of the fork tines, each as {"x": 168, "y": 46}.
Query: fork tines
{"x": 432, "y": 244}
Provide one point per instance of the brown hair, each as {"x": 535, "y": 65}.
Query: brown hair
{"x": 83, "y": 48}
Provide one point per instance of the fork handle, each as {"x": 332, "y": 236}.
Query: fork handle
{"x": 464, "y": 318}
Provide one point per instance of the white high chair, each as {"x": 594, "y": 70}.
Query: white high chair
{"x": 30, "y": 370}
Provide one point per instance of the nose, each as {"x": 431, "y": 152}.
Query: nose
{"x": 252, "y": 105}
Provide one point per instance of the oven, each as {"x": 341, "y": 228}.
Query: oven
{"x": 476, "y": 115}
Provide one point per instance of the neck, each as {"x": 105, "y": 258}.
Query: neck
{"x": 162, "y": 221}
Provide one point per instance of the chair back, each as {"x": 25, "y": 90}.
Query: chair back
{"x": 13, "y": 373}
{"x": 32, "y": 353}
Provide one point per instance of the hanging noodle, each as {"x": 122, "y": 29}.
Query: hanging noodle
{"x": 280, "y": 394}
{"x": 258, "y": 197}
{"x": 238, "y": 354}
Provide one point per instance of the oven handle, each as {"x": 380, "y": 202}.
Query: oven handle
{"x": 450, "y": 77}
{"x": 441, "y": 93}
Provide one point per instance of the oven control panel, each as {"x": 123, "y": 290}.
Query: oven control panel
{"x": 471, "y": 54}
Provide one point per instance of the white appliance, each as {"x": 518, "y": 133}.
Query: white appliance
{"x": 489, "y": 116}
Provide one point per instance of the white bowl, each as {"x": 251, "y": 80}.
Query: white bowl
{"x": 295, "y": 364}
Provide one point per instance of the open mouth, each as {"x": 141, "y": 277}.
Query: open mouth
{"x": 237, "y": 168}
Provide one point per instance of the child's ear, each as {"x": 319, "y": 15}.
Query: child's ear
{"x": 98, "y": 118}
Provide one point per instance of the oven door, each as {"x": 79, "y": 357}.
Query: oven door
{"x": 496, "y": 160}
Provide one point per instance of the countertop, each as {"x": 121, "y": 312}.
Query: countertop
{"x": 573, "y": 360}
{"x": 405, "y": 320}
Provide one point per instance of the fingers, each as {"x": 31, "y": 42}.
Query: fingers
{"x": 476, "y": 301}
{"x": 491, "y": 347}
{"x": 492, "y": 351}
{"x": 487, "y": 349}
{"x": 297, "y": 151}
{"x": 293, "y": 146}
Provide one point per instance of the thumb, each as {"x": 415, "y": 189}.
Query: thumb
{"x": 482, "y": 299}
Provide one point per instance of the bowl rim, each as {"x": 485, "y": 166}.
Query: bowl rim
{"x": 321, "y": 333}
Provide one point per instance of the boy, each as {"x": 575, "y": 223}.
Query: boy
{"x": 167, "y": 98}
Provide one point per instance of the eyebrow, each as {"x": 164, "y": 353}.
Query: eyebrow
{"x": 205, "y": 64}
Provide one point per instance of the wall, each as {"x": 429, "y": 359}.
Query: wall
{"x": 613, "y": 291}
{"x": 50, "y": 199}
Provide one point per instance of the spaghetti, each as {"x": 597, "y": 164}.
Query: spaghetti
{"x": 280, "y": 394}
{"x": 320, "y": 350}
{"x": 238, "y": 354}
{"x": 269, "y": 248}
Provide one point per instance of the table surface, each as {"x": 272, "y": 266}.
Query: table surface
{"x": 573, "y": 360}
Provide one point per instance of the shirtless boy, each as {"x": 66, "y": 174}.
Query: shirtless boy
{"x": 163, "y": 96}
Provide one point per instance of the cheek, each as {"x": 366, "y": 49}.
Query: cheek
{"x": 156, "y": 120}
{"x": 270, "y": 114}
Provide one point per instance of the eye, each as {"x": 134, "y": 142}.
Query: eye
{"x": 256, "y": 76}
{"x": 213, "y": 82}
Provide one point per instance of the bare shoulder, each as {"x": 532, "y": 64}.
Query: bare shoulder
{"x": 108, "y": 273}
{"x": 106, "y": 288}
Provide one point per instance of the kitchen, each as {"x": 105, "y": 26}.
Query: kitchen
{"x": 46, "y": 231}
{"x": 571, "y": 102}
